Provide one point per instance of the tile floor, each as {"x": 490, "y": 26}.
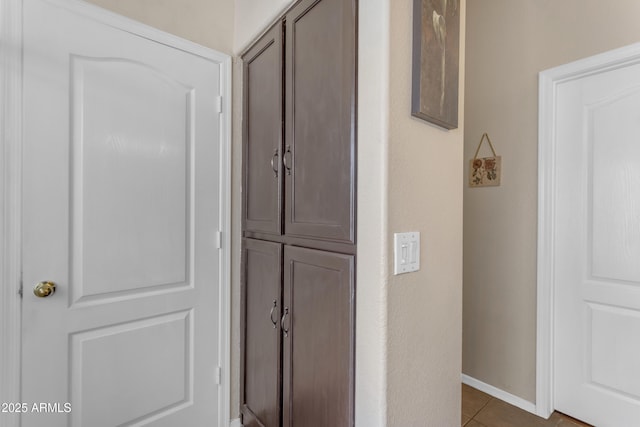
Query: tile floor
{"x": 481, "y": 410}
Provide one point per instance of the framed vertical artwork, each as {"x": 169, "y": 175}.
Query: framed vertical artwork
{"x": 436, "y": 45}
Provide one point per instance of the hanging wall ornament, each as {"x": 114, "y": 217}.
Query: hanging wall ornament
{"x": 485, "y": 171}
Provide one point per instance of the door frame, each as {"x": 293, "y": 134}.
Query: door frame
{"x": 10, "y": 206}
{"x": 11, "y": 188}
{"x": 549, "y": 80}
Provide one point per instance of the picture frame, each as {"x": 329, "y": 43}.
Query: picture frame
{"x": 435, "y": 73}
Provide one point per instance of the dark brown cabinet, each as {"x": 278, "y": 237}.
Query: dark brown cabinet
{"x": 262, "y": 138}
{"x": 261, "y": 311}
{"x": 320, "y": 120}
{"x": 304, "y": 147}
{"x": 299, "y": 252}
{"x": 317, "y": 346}
{"x": 307, "y": 321}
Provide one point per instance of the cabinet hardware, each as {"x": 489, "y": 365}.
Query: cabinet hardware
{"x": 284, "y": 316}
{"x": 274, "y": 165}
{"x": 284, "y": 159}
{"x": 274, "y": 322}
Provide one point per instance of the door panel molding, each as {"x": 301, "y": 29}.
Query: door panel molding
{"x": 11, "y": 17}
{"x": 549, "y": 82}
{"x": 10, "y": 213}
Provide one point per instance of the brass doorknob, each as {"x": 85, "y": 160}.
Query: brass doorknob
{"x": 44, "y": 289}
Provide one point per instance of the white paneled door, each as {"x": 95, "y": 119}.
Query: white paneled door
{"x": 597, "y": 246}
{"x": 121, "y": 212}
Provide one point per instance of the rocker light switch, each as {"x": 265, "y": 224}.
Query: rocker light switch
{"x": 406, "y": 256}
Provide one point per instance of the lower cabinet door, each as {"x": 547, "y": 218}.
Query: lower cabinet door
{"x": 261, "y": 313}
{"x": 318, "y": 337}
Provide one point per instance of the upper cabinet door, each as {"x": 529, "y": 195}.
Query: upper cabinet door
{"x": 320, "y": 146}
{"x": 262, "y": 134}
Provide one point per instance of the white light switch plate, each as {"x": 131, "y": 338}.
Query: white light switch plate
{"x": 406, "y": 252}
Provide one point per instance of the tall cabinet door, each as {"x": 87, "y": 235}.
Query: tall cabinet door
{"x": 317, "y": 338}
{"x": 261, "y": 312}
{"x": 319, "y": 157}
{"x": 262, "y": 134}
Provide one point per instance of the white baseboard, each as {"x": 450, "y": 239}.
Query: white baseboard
{"x": 235, "y": 423}
{"x": 500, "y": 394}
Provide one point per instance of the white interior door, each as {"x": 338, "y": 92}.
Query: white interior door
{"x": 121, "y": 209}
{"x": 597, "y": 247}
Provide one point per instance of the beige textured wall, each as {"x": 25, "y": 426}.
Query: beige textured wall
{"x": 508, "y": 43}
{"x": 207, "y": 22}
{"x": 252, "y": 18}
{"x": 425, "y": 194}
